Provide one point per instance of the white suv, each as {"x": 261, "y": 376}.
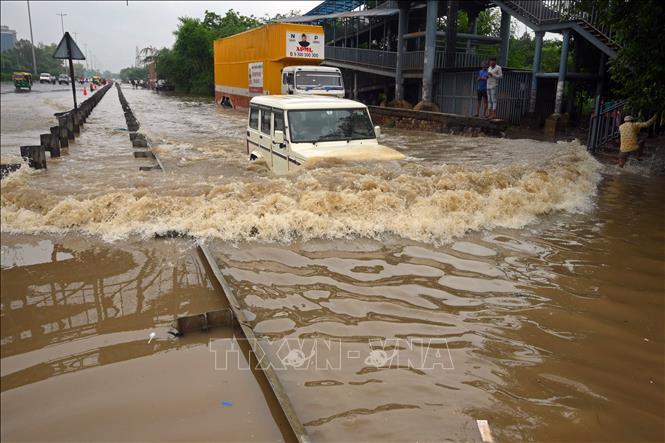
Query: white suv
{"x": 287, "y": 130}
{"x": 45, "y": 77}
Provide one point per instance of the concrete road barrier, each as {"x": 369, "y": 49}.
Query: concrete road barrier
{"x": 69, "y": 126}
{"x": 36, "y": 156}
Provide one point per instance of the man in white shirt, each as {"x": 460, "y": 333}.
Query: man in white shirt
{"x": 494, "y": 73}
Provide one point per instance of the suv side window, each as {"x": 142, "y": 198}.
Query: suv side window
{"x": 254, "y": 117}
{"x": 265, "y": 121}
{"x": 279, "y": 120}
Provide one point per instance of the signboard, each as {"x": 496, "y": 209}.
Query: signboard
{"x": 255, "y": 72}
{"x": 67, "y": 47}
{"x": 304, "y": 45}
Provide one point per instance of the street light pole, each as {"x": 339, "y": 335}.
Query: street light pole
{"x": 32, "y": 41}
{"x": 62, "y": 21}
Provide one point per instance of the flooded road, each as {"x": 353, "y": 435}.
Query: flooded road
{"x": 537, "y": 273}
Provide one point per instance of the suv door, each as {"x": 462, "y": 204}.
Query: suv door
{"x": 280, "y": 151}
{"x": 265, "y": 137}
{"x": 253, "y": 133}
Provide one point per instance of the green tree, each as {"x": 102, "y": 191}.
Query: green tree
{"x": 127, "y": 74}
{"x": 638, "y": 70}
{"x": 19, "y": 58}
{"x": 190, "y": 63}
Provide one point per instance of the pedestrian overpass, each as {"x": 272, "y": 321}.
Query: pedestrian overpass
{"x": 421, "y": 50}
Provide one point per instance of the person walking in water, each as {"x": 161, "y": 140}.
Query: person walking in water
{"x": 629, "y": 131}
{"x": 494, "y": 73}
{"x": 482, "y": 91}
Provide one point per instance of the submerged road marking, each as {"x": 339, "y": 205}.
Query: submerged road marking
{"x": 485, "y": 433}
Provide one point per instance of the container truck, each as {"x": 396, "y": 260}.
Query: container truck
{"x": 277, "y": 58}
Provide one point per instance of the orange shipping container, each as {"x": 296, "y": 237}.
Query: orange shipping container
{"x": 250, "y": 63}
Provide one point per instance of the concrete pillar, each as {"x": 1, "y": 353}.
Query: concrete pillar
{"x": 562, "y": 71}
{"x": 451, "y": 32}
{"x": 430, "y": 49}
{"x": 504, "y": 33}
{"x": 402, "y": 26}
{"x": 473, "y": 29}
{"x": 535, "y": 70}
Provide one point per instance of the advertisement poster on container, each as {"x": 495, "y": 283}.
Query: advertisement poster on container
{"x": 255, "y": 77}
{"x": 304, "y": 45}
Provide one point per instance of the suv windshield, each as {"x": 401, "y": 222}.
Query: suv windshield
{"x": 317, "y": 80}
{"x": 317, "y": 125}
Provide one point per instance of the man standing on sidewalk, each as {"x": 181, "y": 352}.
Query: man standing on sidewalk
{"x": 494, "y": 73}
{"x": 482, "y": 91}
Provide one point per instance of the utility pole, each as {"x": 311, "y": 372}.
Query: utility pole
{"x": 32, "y": 41}
{"x": 62, "y": 21}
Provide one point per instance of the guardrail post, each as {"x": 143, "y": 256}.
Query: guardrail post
{"x": 55, "y": 140}
{"x": 70, "y": 126}
{"x": 35, "y": 155}
{"x": 76, "y": 128}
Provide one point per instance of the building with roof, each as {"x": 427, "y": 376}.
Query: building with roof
{"x": 7, "y": 38}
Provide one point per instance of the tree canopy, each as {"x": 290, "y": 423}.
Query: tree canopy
{"x": 19, "y": 58}
{"x": 127, "y": 74}
{"x": 189, "y": 64}
{"x": 638, "y": 70}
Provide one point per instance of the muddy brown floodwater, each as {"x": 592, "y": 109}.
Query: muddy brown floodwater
{"x": 513, "y": 281}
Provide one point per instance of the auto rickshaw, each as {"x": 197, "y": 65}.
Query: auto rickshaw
{"x": 97, "y": 80}
{"x": 22, "y": 80}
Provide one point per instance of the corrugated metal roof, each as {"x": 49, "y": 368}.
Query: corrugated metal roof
{"x": 334, "y": 6}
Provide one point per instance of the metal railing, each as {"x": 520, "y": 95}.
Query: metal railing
{"x": 367, "y": 57}
{"x": 412, "y": 60}
{"x": 604, "y": 126}
{"x": 557, "y": 11}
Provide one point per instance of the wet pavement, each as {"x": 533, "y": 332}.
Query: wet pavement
{"x": 536, "y": 274}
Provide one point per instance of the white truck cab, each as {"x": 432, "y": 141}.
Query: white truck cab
{"x": 287, "y": 130}
{"x": 308, "y": 80}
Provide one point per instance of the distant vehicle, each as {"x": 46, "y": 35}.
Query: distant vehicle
{"x": 63, "y": 78}
{"x": 287, "y": 130}
{"x": 45, "y": 77}
{"x": 22, "y": 80}
{"x": 163, "y": 85}
{"x": 276, "y": 58}
{"x": 97, "y": 80}
{"x": 320, "y": 80}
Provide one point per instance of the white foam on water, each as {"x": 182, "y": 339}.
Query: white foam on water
{"x": 430, "y": 203}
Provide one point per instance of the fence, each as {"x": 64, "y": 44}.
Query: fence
{"x": 604, "y": 127}
{"x": 456, "y": 93}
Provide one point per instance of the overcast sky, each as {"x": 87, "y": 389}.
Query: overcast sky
{"x": 112, "y": 30}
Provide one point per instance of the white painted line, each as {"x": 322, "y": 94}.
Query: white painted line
{"x": 485, "y": 433}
